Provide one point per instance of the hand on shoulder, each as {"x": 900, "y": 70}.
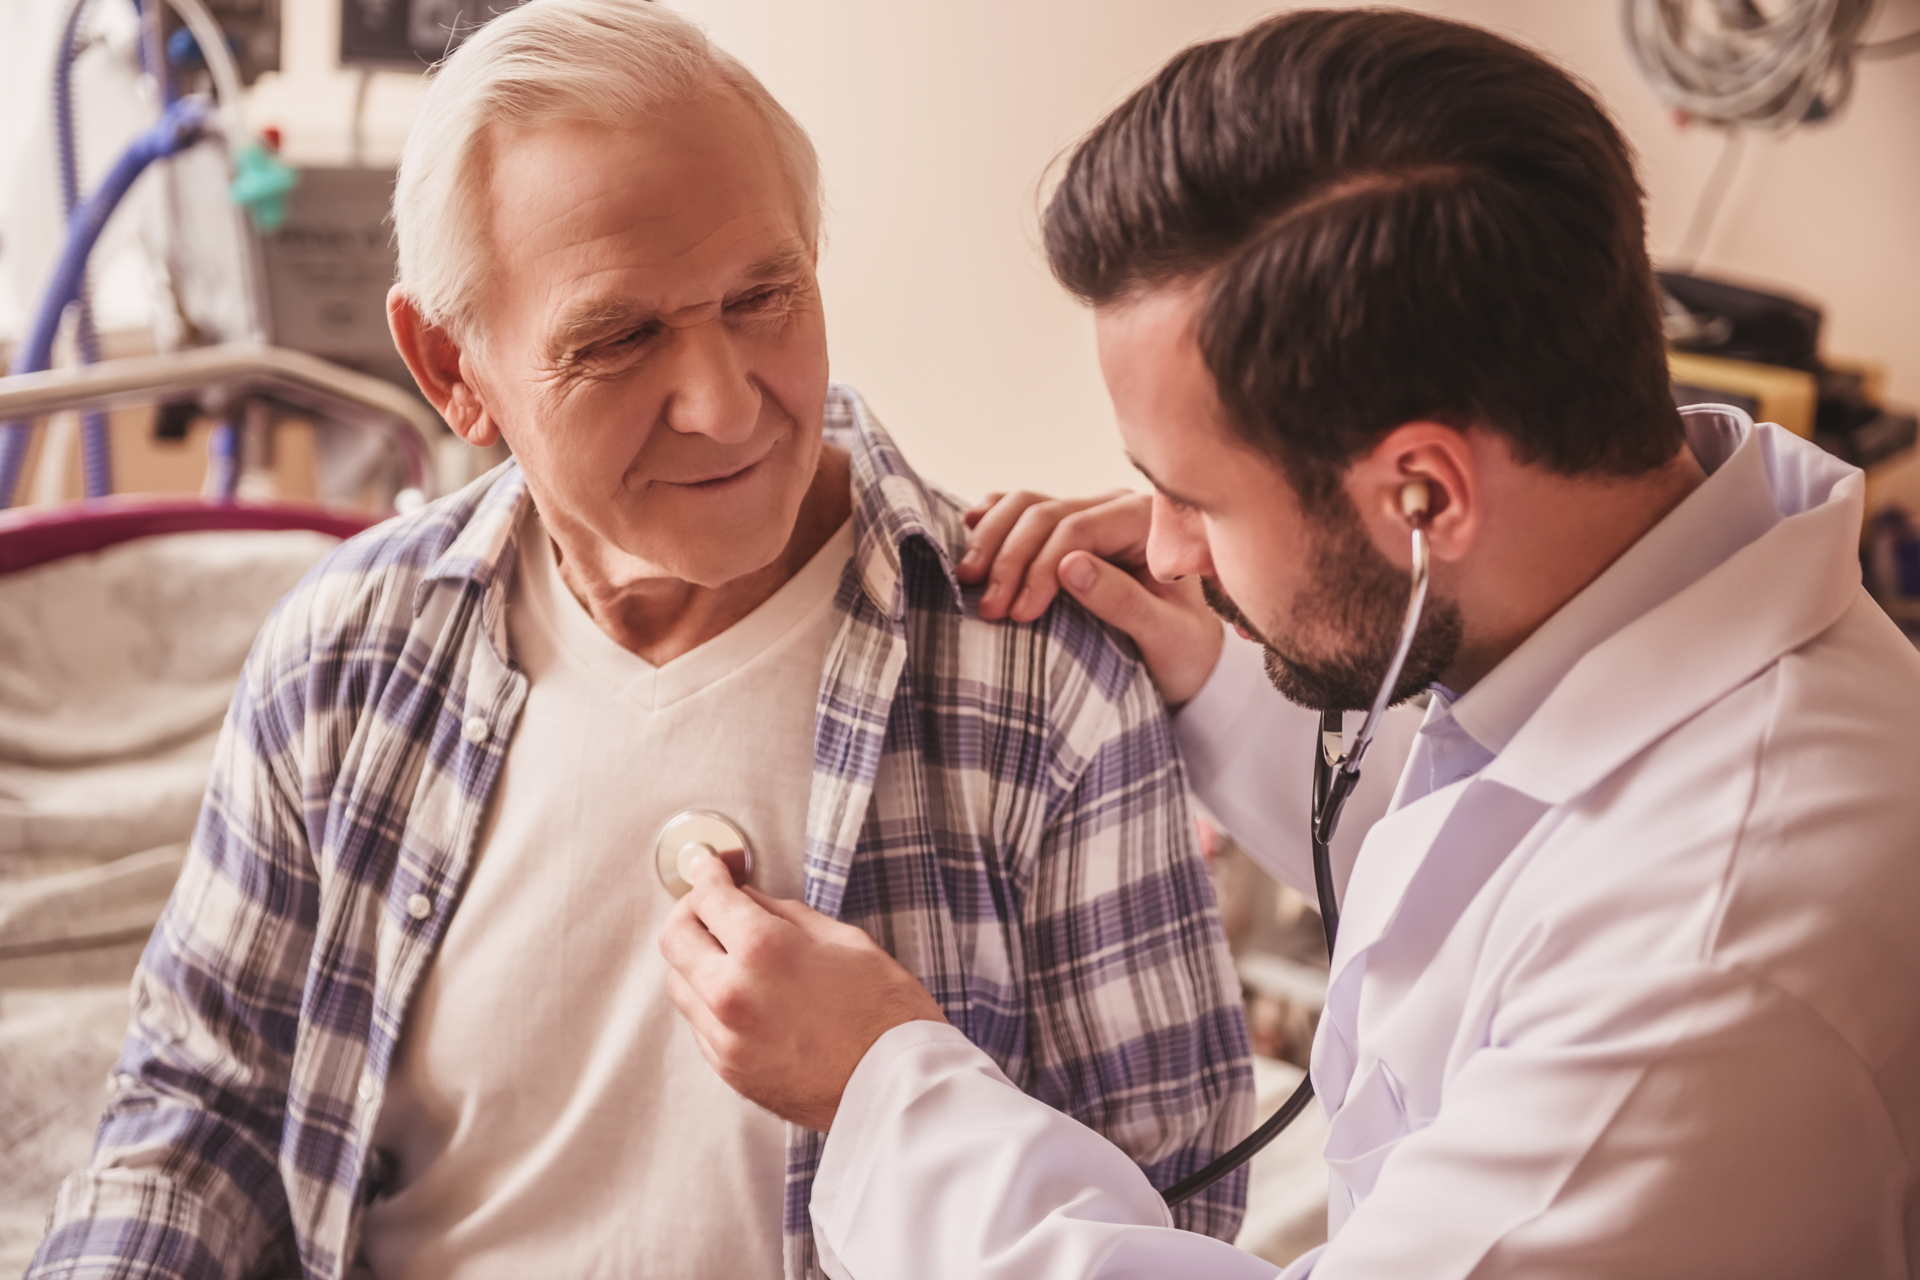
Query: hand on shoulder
{"x": 1027, "y": 547}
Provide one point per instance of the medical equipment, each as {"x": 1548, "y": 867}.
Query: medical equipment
{"x": 696, "y": 834}
{"x": 247, "y": 254}
{"x": 229, "y": 373}
{"x": 410, "y": 35}
{"x": 180, "y": 125}
{"x": 1747, "y": 68}
{"x": 183, "y": 122}
{"x": 1336, "y": 771}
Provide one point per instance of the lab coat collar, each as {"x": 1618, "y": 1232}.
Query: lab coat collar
{"x": 1692, "y": 647}
{"x": 1731, "y": 509}
{"x": 1647, "y": 675}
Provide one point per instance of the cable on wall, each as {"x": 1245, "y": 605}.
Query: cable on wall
{"x": 1733, "y": 64}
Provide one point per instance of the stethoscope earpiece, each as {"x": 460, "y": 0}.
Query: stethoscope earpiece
{"x": 1415, "y": 500}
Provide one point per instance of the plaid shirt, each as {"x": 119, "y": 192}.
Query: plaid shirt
{"x": 998, "y": 804}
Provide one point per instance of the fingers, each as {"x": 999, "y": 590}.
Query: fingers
{"x": 684, "y": 940}
{"x": 990, "y": 523}
{"x": 1008, "y": 540}
{"x": 821, "y": 928}
{"x": 788, "y": 909}
{"x": 1114, "y": 529}
{"x": 1113, "y": 595}
{"x": 728, "y": 912}
{"x": 707, "y": 1030}
{"x": 1011, "y": 579}
{"x": 1178, "y": 636}
{"x": 972, "y": 514}
{"x": 786, "y": 1018}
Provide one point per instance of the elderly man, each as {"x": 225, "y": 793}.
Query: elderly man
{"x": 405, "y": 1014}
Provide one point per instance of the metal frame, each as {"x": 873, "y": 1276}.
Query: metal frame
{"x": 218, "y": 376}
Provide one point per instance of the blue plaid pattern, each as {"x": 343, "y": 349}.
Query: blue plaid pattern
{"x": 999, "y": 805}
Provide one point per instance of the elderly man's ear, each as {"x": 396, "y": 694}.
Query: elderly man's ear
{"x": 439, "y": 365}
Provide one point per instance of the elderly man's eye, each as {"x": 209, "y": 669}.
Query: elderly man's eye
{"x": 626, "y": 342}
{"x": 758, "y": 300}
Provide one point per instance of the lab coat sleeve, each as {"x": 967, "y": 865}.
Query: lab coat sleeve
{"x": 1249, "y": 756}
{"x": 938, "y": 1167}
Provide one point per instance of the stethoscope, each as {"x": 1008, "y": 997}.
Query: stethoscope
{"x": 698, "y": 833}
{"x": 1336, "y": 771}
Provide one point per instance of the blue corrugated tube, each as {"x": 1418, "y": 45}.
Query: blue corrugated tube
{"x": 96, "y": 453}
{"x": 182, "y": 124}
{"x": 223, "y": 460}
{"x": 153, "y": 59}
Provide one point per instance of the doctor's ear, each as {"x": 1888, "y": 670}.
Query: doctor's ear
{"x": 1425, "y": 474}
{"x": 438, "y": 363}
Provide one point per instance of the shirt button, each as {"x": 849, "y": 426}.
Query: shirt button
{"x": 419, "y": 906}
{"x": 475, "y": 731}
{"x": 366, "y": 1088}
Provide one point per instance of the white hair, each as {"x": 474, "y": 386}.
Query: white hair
{"x": 612, "y": 62}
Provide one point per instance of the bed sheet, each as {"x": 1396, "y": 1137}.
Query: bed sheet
{"x": 116, "y": 668}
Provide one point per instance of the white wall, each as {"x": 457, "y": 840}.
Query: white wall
{"x": 935, "y": 124}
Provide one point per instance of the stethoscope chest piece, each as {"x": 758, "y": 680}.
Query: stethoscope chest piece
{"x": 692, "y": 835}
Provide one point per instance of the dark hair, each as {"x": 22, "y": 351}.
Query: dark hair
{"x": 1407, "y": 218}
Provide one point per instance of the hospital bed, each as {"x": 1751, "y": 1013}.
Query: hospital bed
{"x": 123, "y": 626}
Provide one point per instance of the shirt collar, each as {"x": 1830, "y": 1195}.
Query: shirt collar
{"x": 483, "y": 517}
{"x": 892, "y": 510}
{"x": 1732, "y": 508}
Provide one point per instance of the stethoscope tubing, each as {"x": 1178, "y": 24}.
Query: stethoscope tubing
{"x": 1334, "y": 776}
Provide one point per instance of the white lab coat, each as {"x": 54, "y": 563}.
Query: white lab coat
{"x": 1641, "y": 997}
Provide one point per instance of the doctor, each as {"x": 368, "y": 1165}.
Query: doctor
{"x": 1628, "y": 979}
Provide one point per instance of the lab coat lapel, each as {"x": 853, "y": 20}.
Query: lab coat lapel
{"x": 1420, "y": 868}
{"x": 1683, "y": 656}
{"x": 1392, "y": 852}
{"x": 1390, "y": 855}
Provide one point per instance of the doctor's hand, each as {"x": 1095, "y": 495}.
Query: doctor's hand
{"x": 783, "y": 1001}
{"x": 1026, "y": 547}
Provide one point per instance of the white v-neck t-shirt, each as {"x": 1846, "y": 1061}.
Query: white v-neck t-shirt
{"x": 548, "y": 1111}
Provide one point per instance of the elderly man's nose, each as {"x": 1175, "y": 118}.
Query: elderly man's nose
{"x": 713, "y": 393}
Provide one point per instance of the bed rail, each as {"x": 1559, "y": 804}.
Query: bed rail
{"x": 219, "y": 375}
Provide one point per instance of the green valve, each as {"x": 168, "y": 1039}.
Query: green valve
{"x": 261, "y": 184}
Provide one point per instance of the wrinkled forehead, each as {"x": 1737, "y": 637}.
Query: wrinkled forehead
{"x": 665, "y": 213}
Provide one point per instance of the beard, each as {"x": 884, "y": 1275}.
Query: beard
{"x": 1357, "y": 594}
